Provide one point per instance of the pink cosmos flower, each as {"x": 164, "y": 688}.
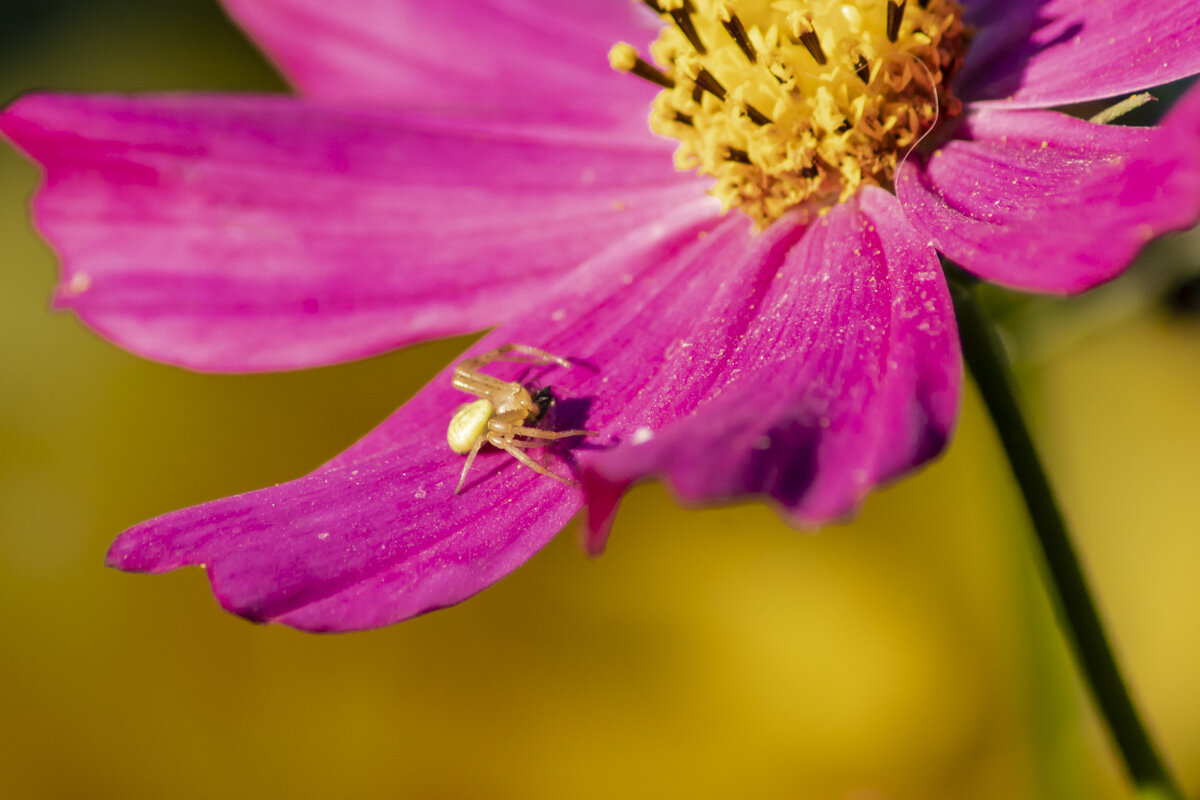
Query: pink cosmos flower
{"x": 457, "y": 165}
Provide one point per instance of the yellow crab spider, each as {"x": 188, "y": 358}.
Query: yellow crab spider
{"x": 504, "y": 411}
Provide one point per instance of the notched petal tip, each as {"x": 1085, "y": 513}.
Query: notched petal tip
{"x": 136, "y": 550}
{"x": 15, "y": 113}
{"x": 602, "y": 498}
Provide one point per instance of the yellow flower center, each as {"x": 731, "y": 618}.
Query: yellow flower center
{"x": 792, "y": 103}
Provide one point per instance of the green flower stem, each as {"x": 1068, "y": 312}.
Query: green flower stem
{"x": 1061, "y": 569}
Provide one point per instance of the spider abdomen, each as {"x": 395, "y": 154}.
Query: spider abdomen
{"x": 469, "y": 423}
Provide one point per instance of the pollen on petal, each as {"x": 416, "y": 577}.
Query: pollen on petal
{"x": 79, "y": 283}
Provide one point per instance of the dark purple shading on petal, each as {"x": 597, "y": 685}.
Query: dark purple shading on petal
{"x": 808, "y": 366}
{"x": 377, "y": 535}
{"x": 1041, "y": 201}
{"x": 505, "y": 59}
{"x": 1040, "y": 53}
{"x": 237, "y": 234}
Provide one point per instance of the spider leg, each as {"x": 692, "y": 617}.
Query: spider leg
{"x": 538, "y": 433}
{"x": 479, "y": 384}
{"x": 538, "y": 355}
{"x": 505, "y": 422}
{"x": 539, "y": 445}
{"x": 527, "y": 445}
{"x": 525, "y": 355}
{"x": 519, "y": 455}
{"x": 470, "y": 458}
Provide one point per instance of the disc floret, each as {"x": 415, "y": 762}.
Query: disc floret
{"x": 797, "y": 103}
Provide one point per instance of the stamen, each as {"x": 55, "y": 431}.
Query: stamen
{"x": 862, "y": 69}
{"x": 705, "y": 81}
{"x": 624, "y": 58}
{"x": 803, "y": 30}
{"x": 895, "y": 14}
{"x": 737, "y": 154}
{"x": 810, "y": 41}
{"x": 683, "y": 20}
{"x": 756, "y": 116}
{"x": 682, "y": 118}
{"x": 737, "y": 31}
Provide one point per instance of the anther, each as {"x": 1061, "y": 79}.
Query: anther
{"x": 737, "y": 31}
{"x": 923, "y": 3}
{"x": 683, "y": 20}
{"x": 624, "y": 58}
{"x": 862, "y": 69}
{"x": 706, "y": 82}
{"x": 807, "y": 35}
{"x": 654, "y": 6}
{"x": 737, "y": 154}
{"x": 682, "y": 118}
{"x": 756, "y": 116}
{"x": 895, "y": 14}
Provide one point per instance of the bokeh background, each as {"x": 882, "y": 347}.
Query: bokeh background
{"x": 710, "y": 654}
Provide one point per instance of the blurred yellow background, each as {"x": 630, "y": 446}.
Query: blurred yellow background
{"x": 710, "y": 654}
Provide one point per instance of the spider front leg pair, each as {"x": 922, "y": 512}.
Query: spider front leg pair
{"x": 504, "y": 411}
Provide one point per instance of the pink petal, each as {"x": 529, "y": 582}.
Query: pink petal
{"x": 1039, "y": 53}
{"x": 838, "y": 343}
{"x": 1041, "y": 201}
{"x": 377, "y": 535}
{"x": 237, "y": 234}
{"x": 510, "y": 59}
{"x": 807, "y": 368}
